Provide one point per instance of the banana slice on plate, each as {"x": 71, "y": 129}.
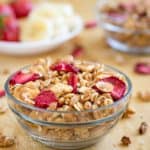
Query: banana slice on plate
{"x": 52, "y": 10}
{"x": 36, "y": 29}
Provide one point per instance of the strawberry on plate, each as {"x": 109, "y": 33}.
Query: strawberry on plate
{"x": 9, "y": 28}
{"x": 6, "y": 10}
{"x": 22, "y": 8}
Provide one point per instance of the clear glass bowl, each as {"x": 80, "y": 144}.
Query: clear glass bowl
{"x": 121, "y": 38}
{"x": 83, "y": 132}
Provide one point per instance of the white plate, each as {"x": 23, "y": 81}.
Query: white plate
{"x": 30, "y": 48}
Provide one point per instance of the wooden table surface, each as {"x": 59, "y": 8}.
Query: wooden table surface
{"x": 95, "y": 50}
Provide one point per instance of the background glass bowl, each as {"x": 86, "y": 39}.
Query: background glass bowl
{"x": 83, "y": 132}
{"x": 120, "y": 38}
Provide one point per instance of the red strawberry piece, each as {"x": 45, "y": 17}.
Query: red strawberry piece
{"x": 142, "y": 68}
{"x": 73, "y": 81}
{"x": 9, "y": 29}
{"x": 2, "y": 93}
{"x": 22, "y": 78}
{"x": 117, "y": 16}
{"x": 119, "y": 87}
{"x": 44, "y": 99}
{"x": 90, "y": 24}
{"x": 22, "y": 8}
{"x": 64, "y": 66}
{"x": 6, "y": 10}
{"x": 77, "y": 51}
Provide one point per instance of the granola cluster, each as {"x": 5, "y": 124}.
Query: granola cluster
{"x": 67, "y": 85}
{"x": 134, "y": 17}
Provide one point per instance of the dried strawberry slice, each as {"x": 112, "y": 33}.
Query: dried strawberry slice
{"x": 77, "y": 51}
{"x": 44, "y": 99}
{"x": 64, "y": 66}
{"x": 117, "y": 16}
{"x": 90, "y": 24}
{"x": 118, "y": 90}
{"x": 2, "y": 93}
{"x": 22, "y": 78}
{"x": 142, "y": 68}
{"x": 21, "y": 8}
{"x": 73, "y": 80}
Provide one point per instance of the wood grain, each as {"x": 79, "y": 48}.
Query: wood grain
{"x": 95, "y": 50}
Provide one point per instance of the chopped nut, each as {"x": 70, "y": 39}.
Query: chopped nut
{"x": 6, "y": 141}
{"x": 87, "y": 105}
{"x": 53, "y": 106}
{"x": 3, "y": 109}
{"x": 104, "y": 86}
{"x": 144, "y": 96}
{"x": 125, "y": 141}
{"x": 5, "y": 72}
{"x": 78, "y": 106}
{"x": 143, "y": 128}
{"x": 128, "y": 113}
{"x": 120, "y": 59}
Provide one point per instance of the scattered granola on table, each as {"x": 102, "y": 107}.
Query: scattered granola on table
{"x": 125, "y": 141}
{"x": 143, "y": 128}
{"x": 144, "y": 96}
{"x": 5, "y": 71}
{"x": 3, "y": 109}
{"x": 128, "y": 113}
{"x": 6, "y": 141}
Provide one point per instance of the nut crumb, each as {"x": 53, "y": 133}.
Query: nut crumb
{"x": 5, "y": 71}
{"x": 3, "y": 109}
{"x": 125, "y": 141}
{"x": 120, "y": 59}
{"x": 144, "y": 96}
{"x": 143, "y": 128}
{"x": 6, "y": 141}
{"x": 128, "y": 113}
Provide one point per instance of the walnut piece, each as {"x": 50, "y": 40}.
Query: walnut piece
{"x": 143, "y": 128}
{"x": 125, "y": 141}
{"x": 144, "y": 96}
{"x": 128, "y": 113}
{"x": 3, "y": 109}
{"x": 6, "y": 141}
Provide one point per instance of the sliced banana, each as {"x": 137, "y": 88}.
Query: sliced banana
{"x": 48, "y": 20}
{"x": 36, "y": 28}
{"x": 52, "y": 10}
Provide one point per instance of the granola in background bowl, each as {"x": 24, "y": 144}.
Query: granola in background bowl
{"x": 126, "y": 24}
{"x": 68, "y": 103}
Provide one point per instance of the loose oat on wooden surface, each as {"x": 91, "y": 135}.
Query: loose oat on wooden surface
{"x": 143, "y": 128}
{"x": 6, "y": 141}
{"x": 125, "y": 141}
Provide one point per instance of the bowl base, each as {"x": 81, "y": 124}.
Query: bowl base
{"x": 125, "y": 48}
{"x": 66, "y": 145}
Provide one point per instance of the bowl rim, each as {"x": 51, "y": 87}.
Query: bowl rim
{"x": 123, "y": 99}
{"x": 100, "y": 15}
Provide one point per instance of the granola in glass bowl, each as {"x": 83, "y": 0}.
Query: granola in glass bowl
{"x": 126, "y": 24}
{"x": 67, "y": 103}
